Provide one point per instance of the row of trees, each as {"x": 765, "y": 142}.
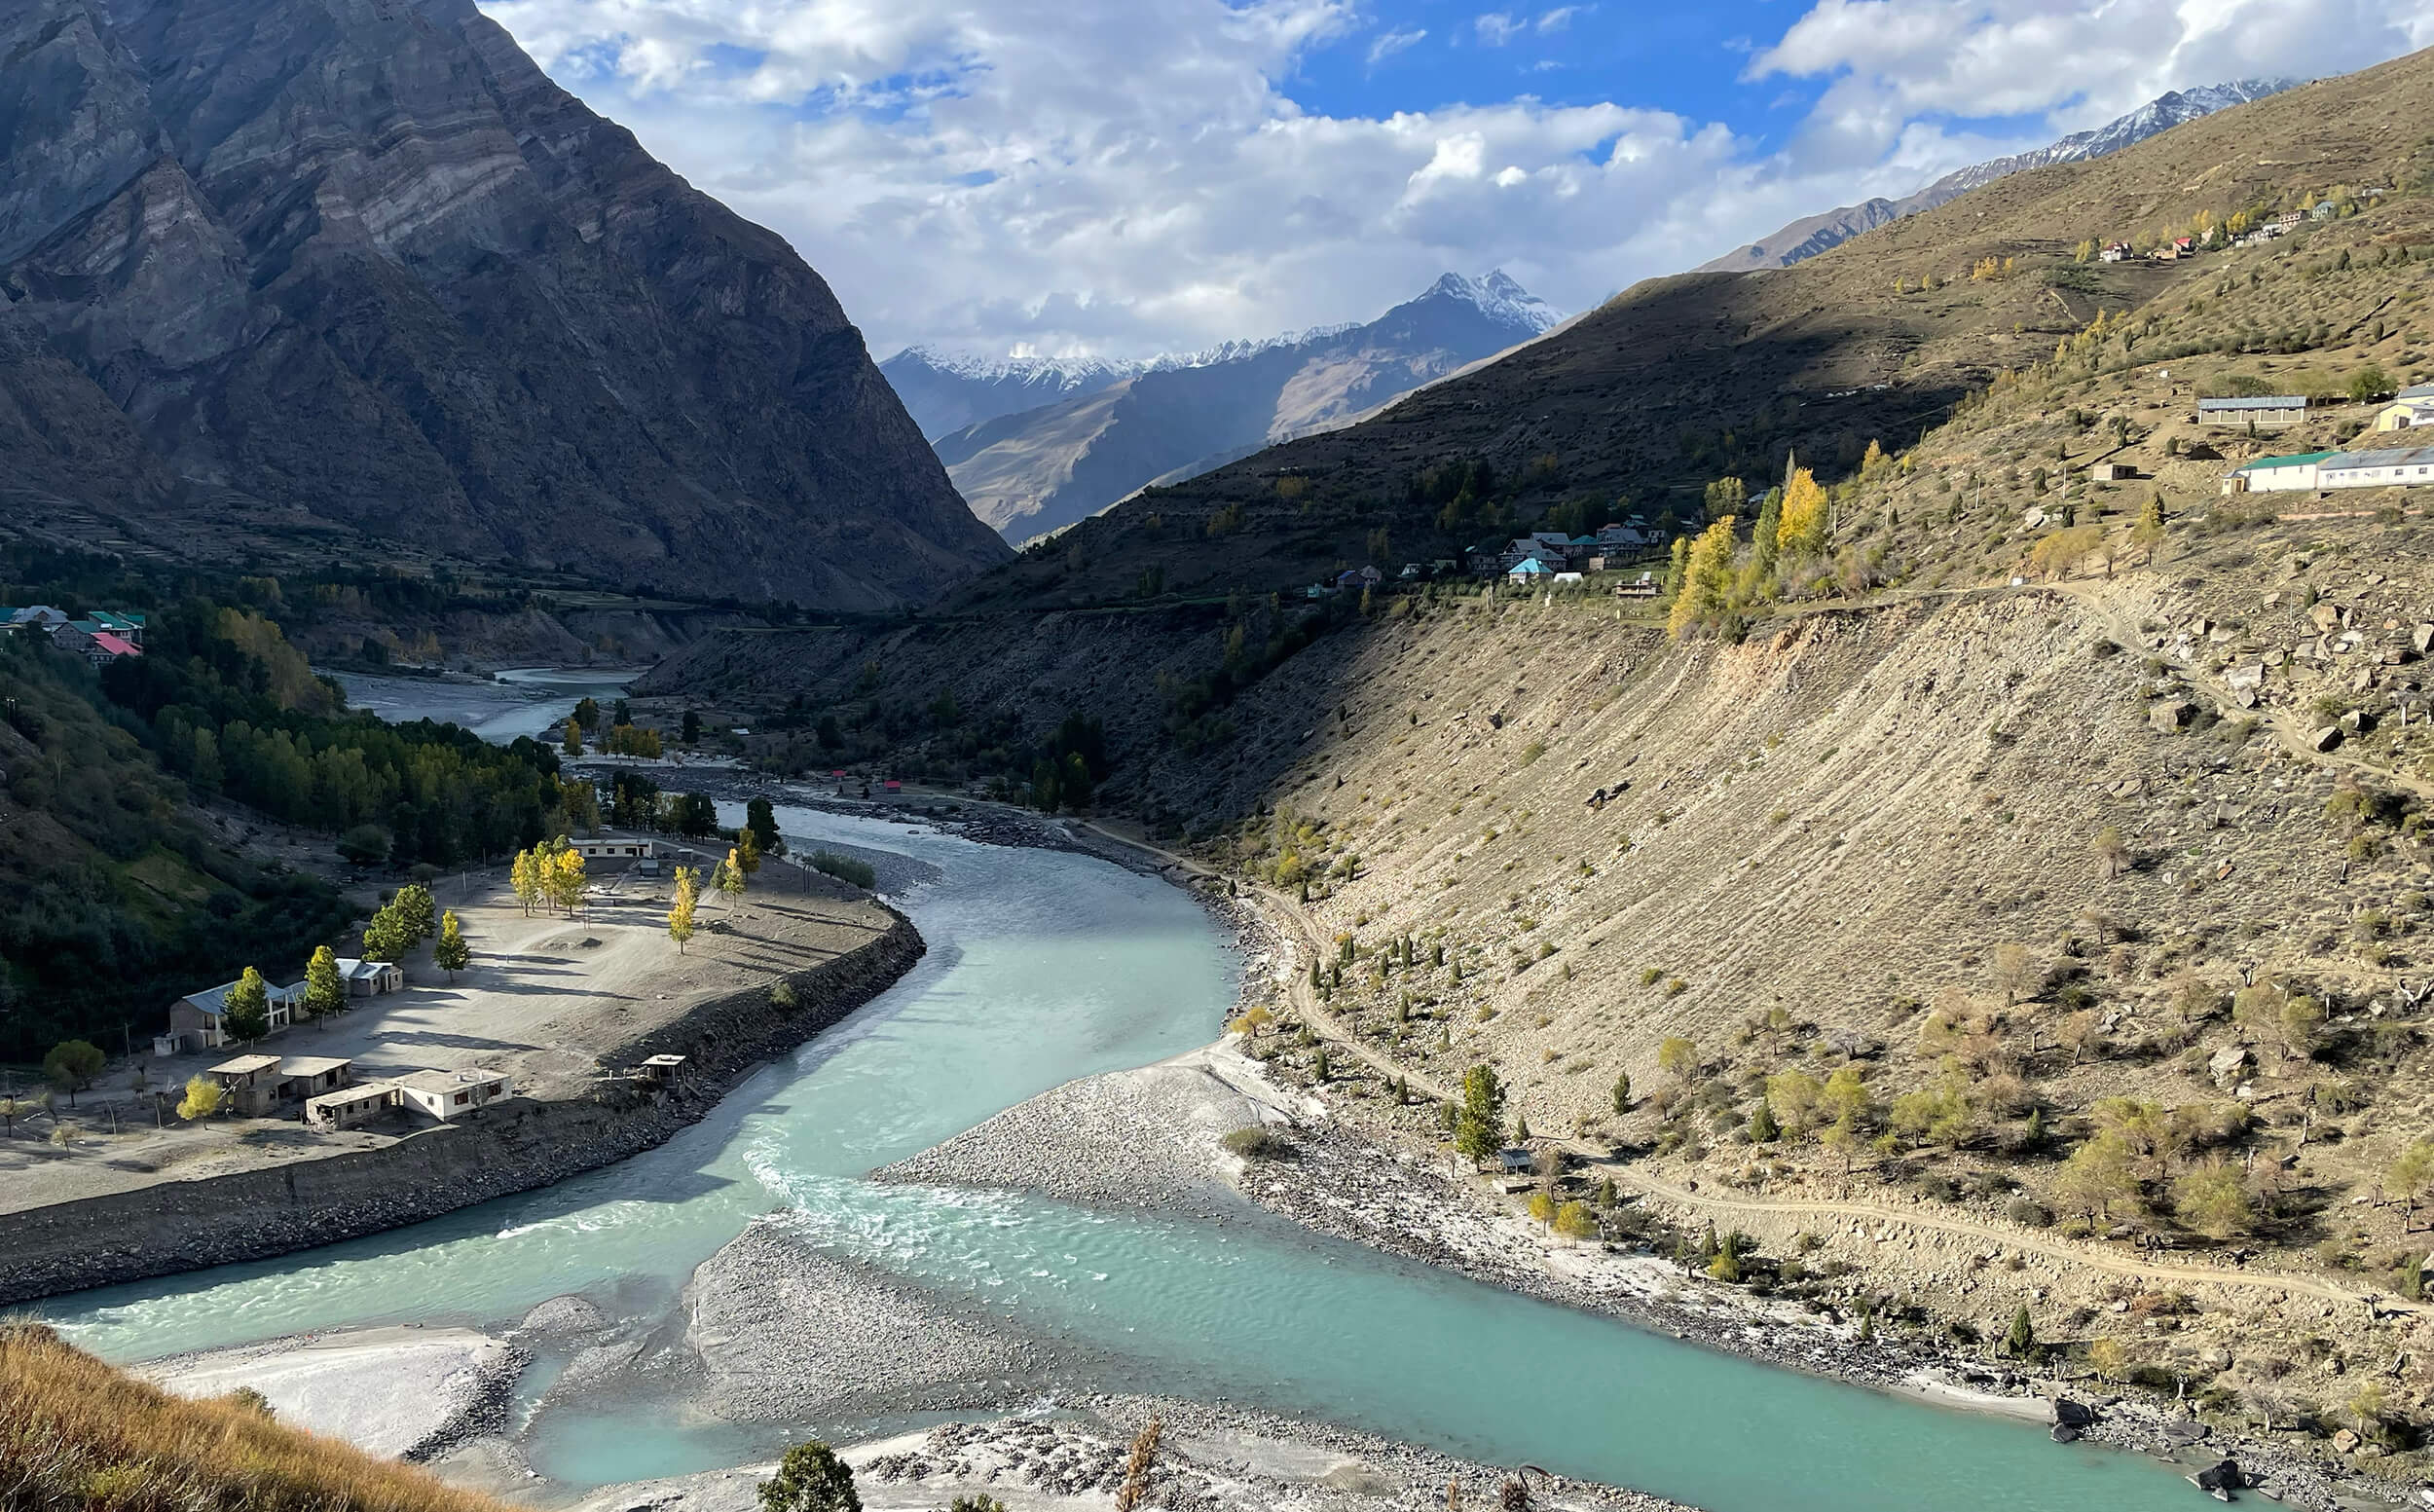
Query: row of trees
{"x": 548, "y": 876}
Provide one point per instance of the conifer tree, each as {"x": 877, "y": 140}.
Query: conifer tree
{"x": 1479, "y": 1124}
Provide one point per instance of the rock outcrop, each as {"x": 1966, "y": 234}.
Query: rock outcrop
{"x": 359, "y": 261}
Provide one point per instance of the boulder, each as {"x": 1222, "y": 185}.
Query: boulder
{"x": 2219, "y": 1479}
{"x": 2227, "y": 1066}
{"x": 2182, "y": 1433}
{"x": 2248, "y": 676}
{"x": 2421, "y": 638}
{"x": 2326, "y": 738}
{"x": 2324, "y": 617}
{"x": 2070, "y": 1414}
{"x": 2347, "y": 1441}
{"x": 2357, "y": 721}
{"x": 2172, "y": 714}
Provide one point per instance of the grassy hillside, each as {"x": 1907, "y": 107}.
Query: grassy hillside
{"x": 74, "y": 1432}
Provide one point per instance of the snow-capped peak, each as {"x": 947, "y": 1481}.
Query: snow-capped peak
{"x": 1064, "y": 374}
{"x": 1499, "y": 298}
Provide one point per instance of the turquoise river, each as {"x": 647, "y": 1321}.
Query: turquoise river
{"x": 1043, "y": 966}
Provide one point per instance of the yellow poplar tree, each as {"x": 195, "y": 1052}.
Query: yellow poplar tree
{"x": 526, "y": 878}
{"x": 1706, "y": 580}
{"x": 680, "y": 912}
{"x": 731, "y": 877}
{"x": 1803, "y": 527}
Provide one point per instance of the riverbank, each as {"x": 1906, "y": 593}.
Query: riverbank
{"x": 594, "y": 1114}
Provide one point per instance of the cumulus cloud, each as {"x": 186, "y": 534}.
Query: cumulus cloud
{"x": 1031, "y": 174}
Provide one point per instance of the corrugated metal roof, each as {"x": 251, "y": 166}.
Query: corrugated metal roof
{"x": 2268, "y": 401}
{"x": 2299, "y": 460}
{"x": 2417, "y": 391}
{"x": 2402, "y": 457}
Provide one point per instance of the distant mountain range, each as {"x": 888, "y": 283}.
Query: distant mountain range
{"x": 359, "y": 261}
{"x": 1815, "y": 234}
{"x": 1035, "y": 444}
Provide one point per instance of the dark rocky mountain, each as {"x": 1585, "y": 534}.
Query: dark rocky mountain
{"x": 1811, "y": 235}
{"x": 362, "y": 259}
{"x": 1041, "y": 470}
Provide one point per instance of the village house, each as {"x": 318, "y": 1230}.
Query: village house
{"x": 1644, "y": 586}
{"x": 2412, "y": 407}
{"x": 2275, "y": 474}
{"x": 2115, "y": 252}
{"x": 2112, "y": 473}
{"x": 198, "y": 1020}
{"x": 448, "y": 1095}
{"x": 367, "y": 978}
{"x": 350, "y": 1106}
{"x": 1529, "y": 572}
{"x": 40, "y": 616}
{"x": 248, "y": 1085}
{"x": 86, "y": 639}
{"x": 2316, "y": 472}
{"x": 659, "y": 1070}
{"x": 612, "y": 848}
{"x": 310, "y": 1076}
{"x": 2259, "y": 412}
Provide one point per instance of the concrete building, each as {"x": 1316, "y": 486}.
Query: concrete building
{"x": 368, "y": 978}
{"x": 610, "y": 848}
{"x": 2410, "y": 408}
{"x": 248, "y": 1085}
{"x": 2259, "y": 412}
{"x": 198, "y": 1021}
{"x": 350, "y": 1106}
{"x": 444, "y": 1096}
{"x": 2409, "y": 467}
{"x": 2277, "y": 474}
{"x": 2112, "y": 473}
{"x": 310, "y": 1076}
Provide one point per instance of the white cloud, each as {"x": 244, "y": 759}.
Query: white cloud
{"x": 2075, "y": 64}
{"x": 1497, "y": 28}
{"x": 1392, "y": 42}
{"x": 996, "y": 174}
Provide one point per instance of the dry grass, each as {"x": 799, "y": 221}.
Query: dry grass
{"x": 77, "y": 1433}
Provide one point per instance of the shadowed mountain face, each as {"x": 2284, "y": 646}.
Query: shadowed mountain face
{"x": 1114, "y": 429}
{"x": 1806, "y": 238}
{"x": 361, "y": 258}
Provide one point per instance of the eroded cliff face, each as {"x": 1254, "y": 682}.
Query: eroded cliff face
{"x": 363, "y": 257}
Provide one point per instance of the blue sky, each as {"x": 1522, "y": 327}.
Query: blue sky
{"x": 1121, "y": 177}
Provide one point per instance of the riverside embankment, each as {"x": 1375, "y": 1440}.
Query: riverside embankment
{"x": 517, "y": 1145}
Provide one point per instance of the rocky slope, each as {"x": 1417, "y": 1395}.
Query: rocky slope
{"x": 1811, "y": 235}
{"x": 361, "y": 260}
{"x": 1035, "y": 471}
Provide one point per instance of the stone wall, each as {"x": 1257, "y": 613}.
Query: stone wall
{"x": 512, "y": 1146}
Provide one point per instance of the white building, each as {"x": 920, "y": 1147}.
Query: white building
{"x": 2410, "y": 408}
{"x": 2314, "y": 471}
{"x": 2277, "y": 474}
{"x": 448, "y": 1095}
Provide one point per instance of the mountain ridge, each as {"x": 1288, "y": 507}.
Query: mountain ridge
{"x": 366, "y": 259}
{"x": 1811, "y": 235}
{"x": 1033, "y": 470}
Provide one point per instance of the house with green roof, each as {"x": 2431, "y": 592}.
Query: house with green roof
{"x": 2277, "y": 474}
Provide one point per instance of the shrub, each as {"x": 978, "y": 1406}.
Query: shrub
{"x": 846, "y": 868}
{"x": 1257, "y": 1143}
{"x": 2028, "y": 1212}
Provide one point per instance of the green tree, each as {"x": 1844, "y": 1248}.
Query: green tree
{"x": 202, "y": 1098}
{"x": 365, "y": 845}
{"x": 1622, "y": 1092}
{"x": 680, "y": 910}
{"x": 762, "y": 821}
{"x": 572, "y": 742}
{"x": 2411, "y": 1173}
{"x": 417, "y": 912}
{"x": 2370, "y": 382}
{"x": 2212, "y": 1199}
{"x": 1763, "y": 1129}
{"x": 747, "y": 852}
{"x": 690, "y": 731}
{"x": 1479, "y": 1124}
{"x": 451, "y": 954}
{"x": 586, "y": 716}
{"x": 2020, "y": 1342}
{"x": 1677, "y": 1058}
{"x": 2100, "y": 1173}
{"x": 246, "y": 1012}
{"x": 71, "y": 1066}
{"x": 386, "y": 937}
{"x": 811, "y": 1477}
{"x": 325, "y": 993}
{"x": 1727, "y": 498}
